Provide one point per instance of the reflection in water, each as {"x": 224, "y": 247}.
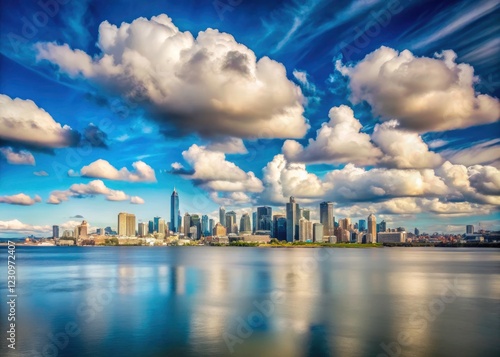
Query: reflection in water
{"x": 181, "y": 301}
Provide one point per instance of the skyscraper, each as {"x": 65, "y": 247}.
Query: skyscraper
{"x": 143, "y": 229}
{"x": 245, "y": 225}
{"x": 274, "y": 231}
{"x": 254, "y": 221}
{"x": 469, "y": 229}
{"x": 161, "y": 226}
{"x": 211, "y": 225}
{"x": 186, "y": 223}
{"x": 156, "y": 221}
{"x": 306, "y": 213}
{"x": 122, "y": 224}
{"x": 362, "y": 225}
{"x": 55, "y": 231}
{"x": 130, "y": 225}
{"x": 264, "y": 218}
{"x": 196, "y": 222}
{"x": 372, "y": 228}
{"x": 318, "y": 232}
{"x": 326, "y": 218}
{"x": 291, "y": 220}
{"x": 204, "y": 225}
{"x": 174, "y": 211}
{"x": 151, "y": 227}
{"x": 230, "y": 221}
{"x": 222, "y": 216}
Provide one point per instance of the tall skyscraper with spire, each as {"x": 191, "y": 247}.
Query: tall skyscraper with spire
{"x": 174, "y": 211}
{"x": 372, "y": 228}
{"x": 292, "y": 222}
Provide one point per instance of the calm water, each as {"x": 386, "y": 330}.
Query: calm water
{"x": 209, "y": 301}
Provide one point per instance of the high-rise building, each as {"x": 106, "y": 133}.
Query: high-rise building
{"x": 264, "y": 218}
{"x": 306, "y": 213}
{"x": 382, "y": 227}
{"x": 254, "y": 222}
{"x": 186, "y": 223}
{"x": 372, "y": 227}
{"x": 274, "y": 231}
{"x": 211, "y": 225}
{"x": 55, "y": 231}
{"x": 326, "y": 218}
{"x": 292, "y": 222}
{"x": 143, "y": 229}
{"x": 230, "y": 221}
{"x": 161, "y": 226}
{"x": 151, "y": 227}
{"x": 83, "y": 230}
{"x": 469, "y": 229}
{"x": 131, "y": 225}
{"x": 174, "y": 212}
{"x": 219, "y": 230}
{"x": 305, "y": 230}
{"x": 122, "y": 224}
{"x": 156, "y": 221}
{"x": 318, "y": 233}
{"x": 196, "y": 222}
{"x": 222, "y": 216}
{"x": 417, "y": 232}
{"x": 204, "y": 225}
{"x": 362, "y": 225}
{"x": 245, "y": 225}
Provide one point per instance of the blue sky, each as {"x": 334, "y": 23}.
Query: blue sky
{"x": 382, "y": 107}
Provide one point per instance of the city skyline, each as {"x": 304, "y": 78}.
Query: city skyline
{"x": 304, "y": 105}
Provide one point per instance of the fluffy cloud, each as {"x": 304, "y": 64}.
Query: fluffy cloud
{"x": 338, "y": 141}
{"x": 477, "y": 183}
{"x": 283, "y": 179}
{"x": 424, "y": 94}
{"x": 228, "y": 145}
{"x": 21, "y": 157}
{"x": 20, "y": 199}
{"x": 93, "y": 188}
{"x": 230, "y": 198}
{"x": 103, "y": 169}
{"x": 214, "y": 173}
{"x": 403, "y": 149}
{"x": 210, "y": 84}
{"x": 136, "y": 200}
{"x": 356, "y": 184}
{"x": 23, "y": 123}
{"x": 19, "y": 227}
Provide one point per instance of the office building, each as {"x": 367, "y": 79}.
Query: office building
{"x": 156, "y": 221}
{"x": 196, "y": 222}
{"x": 391, "y": 237}
{"x": 161, "y": 226}
{"x": 211, "y": 225}
{"x": 219, "y": 230}
{"x": 306, "y": 213}
{"x": 326, "y": 218}
{"x": 469, "y": 229}
{"x": 305, "y": 230}
{"x": 372, "y": 228}
{"x": 292, "y": 222}
{"x": 318, "y": 233}
{"x": 254, "y": 222}
{"x": 222, "y": 216}
{"x": 230, "y": 221}
{"x": 186, "y": 223}
{"x": 174, "y": 212}
{"x": 362, "y": 225}
{"x": 417, "y": 232}
{"x": 143, "y": 229}
{"x": 264, "y": 218}
{"x": 245, "y": 224}
{"x": 55, "y": 231}
{"x": 151, "y": 227}
{"x": 204, "y": 225}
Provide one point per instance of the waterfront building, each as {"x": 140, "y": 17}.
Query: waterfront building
{"x": 186, "y": 223}
{"x": 318, "y": 233}
{"x": 245, "y": 224}
{"x": 174, "y": 212}
{"x": 372, "y": 228}
{"x": 264, "y": 218}
{"x": 391, "y": 237}
{"x": 469, "y": 229}
{"x": 326, "y": 218}
{"x": 204, "y": 225}
{"x": 222, "y": 216}
{"x": 362, "y": 225}
{"x": 292, "y": 222}
{"x": 55, "y": 231}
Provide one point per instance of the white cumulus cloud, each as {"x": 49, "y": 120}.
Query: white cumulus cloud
{"x": 423, "y": 94}
{"x": 209, "y": 84}
{"x": 103, "y": 169}
{"x": 22, "y": 157}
